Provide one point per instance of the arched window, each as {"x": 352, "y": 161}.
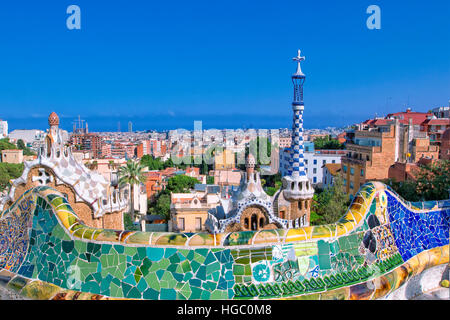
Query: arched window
{"x": 49, "y": 146}
{"x": 246, "y": 223}
{"x": 254, "y": 222}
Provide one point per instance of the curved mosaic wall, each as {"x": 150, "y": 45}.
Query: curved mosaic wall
{"x": 46, "y": 252}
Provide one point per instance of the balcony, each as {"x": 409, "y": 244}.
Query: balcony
{"x": 363, "y": 149}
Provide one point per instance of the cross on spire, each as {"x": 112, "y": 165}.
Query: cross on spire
{"x": 299, "y": 58}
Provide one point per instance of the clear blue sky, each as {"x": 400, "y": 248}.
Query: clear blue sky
{"x": 167, "y": 63}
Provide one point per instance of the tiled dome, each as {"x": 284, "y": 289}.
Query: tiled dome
{"x": 53, "y": 119}
{"x": 251, "y": 161}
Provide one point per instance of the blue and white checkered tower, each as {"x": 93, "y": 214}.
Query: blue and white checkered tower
{"x": 296, "y": 185}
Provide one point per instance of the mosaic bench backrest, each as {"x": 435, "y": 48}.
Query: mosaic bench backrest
{"x": 46, "y": 252}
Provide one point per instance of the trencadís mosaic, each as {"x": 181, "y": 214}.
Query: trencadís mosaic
{"x": 46, "y": 252}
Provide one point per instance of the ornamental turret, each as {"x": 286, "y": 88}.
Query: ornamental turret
{"x": 296, "y": 185}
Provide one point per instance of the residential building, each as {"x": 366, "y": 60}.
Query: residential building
{"x": 330, "y": 171}
{"x": 314, "y": 160}
{"x": 224, "y": 160}
{"x": 445, "y": 145}
{"x": 154, "y": 147}
{"x": 369, "y": 157}
{"x": 87, "y": 141}
{"x": 189, "y": 211}
{"x": 3, "y": 129}
{"x": 33, "y": 139}
{"x": 442, "y": 112}
{"x": 12, "y": 156}
{"x": 435, "y": 128}
{"x": 225, "y": 178}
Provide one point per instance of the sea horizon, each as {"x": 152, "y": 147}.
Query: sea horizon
{"x": 171, "y": 122}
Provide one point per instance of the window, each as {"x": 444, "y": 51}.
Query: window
{"x": 352, "y": 171}
{"x": 344, "y": 168}
{"x": 351, "y": 185}
{"x": 333, "y": 161}
{"x": 362, "y": 172}
{"x": 315, "y": 161}
{"x": 324, "y": 161}
{"x": 181, "y": 224}
{"x": 315, "y": 179}
{"x": 345, "y": 182}
{"x": 198, "y": 224}
{"x": 314, "y": 170}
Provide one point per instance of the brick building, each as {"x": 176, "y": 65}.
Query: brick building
{"x": 369, "y": 157}
{"x": 445, "y": 145}
{"x": 87, "y": 141}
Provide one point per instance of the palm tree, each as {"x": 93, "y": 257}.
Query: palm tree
{"x": 132, "y": 174}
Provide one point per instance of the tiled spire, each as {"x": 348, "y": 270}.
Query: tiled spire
{"x": 297, "y": 149}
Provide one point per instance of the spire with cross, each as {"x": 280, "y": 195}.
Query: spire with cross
{"x": 299, "y": 59}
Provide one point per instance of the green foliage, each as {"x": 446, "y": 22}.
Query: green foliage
{"x": 9, "y": 171}
{"x": 128, "y": 223}
{"x": 210, "y": 180}
{"x": 161, "y": 205}
{"x": 20, "y": 144}
{"x": 327, "y": 143}
{"x": 155, "y": 163}
{"x": 432, "y": 183}
{"x": 181, "y": 184}
{"x": 406, "y": 189}
{"x": 176, "y": 184}
{"x": 330, "y": 204}
{"x": 6, "y": 145}
{"x": 132, "y": 173}
{"x": 271, "y": 191}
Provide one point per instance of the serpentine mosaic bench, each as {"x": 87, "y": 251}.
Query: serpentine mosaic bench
{"x": 46, "y": 252}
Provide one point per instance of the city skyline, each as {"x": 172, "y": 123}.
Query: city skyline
{"x": 133, "y": 64}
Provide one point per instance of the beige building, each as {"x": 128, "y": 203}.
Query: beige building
{"x": 224, "y": 160}
{"x": 225, "y": 178}
{"x": 12, "y": 156}
{"x": 189, "y": 211}
{"x": 375, "y": 150}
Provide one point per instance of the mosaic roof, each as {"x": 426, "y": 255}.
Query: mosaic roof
{"x": 89, "y": 186}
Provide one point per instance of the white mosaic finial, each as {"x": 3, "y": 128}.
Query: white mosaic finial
{"x": 299, "y": 59}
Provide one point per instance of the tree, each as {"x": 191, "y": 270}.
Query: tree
{"x": 327, "y": 143}
{"x": 21, "y": 144}
{"x": 210, "y": 180}
{"x": 432, "y": 183}
{"x": 181, "y": 184}
{"x": 132, "y": 174}
{"x": 6, "y": 145}
{"x": 433, "y": 180}
{"x": 9, "y": 171}
{"x": 161, "y": 206}
{"x": 332, "y": 203}
{"x": 406, "y": 189}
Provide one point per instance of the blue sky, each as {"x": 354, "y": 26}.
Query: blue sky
{"x": 228, "y": 63}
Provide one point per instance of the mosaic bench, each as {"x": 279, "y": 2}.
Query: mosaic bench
{"x": 46, "y": 252}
